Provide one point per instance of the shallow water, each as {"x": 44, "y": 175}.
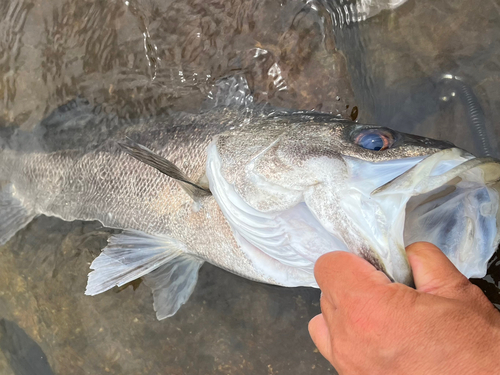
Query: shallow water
{"x": 141, "y": 58}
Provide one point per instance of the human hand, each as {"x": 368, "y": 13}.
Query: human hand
{"x": 372, "y": 326}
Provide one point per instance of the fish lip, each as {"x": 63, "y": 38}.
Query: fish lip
{"x": 420, "y": 178}
{"x": 416, "y": 140}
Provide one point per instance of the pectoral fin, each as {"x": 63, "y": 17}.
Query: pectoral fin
{"x": 145, "y": 155}
{"x": 168, "y": 270}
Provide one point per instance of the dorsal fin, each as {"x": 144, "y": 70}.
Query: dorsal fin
{"x": 146, "y": 156}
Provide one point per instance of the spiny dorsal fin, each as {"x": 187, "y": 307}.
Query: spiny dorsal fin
{"x": 145, "y": 155}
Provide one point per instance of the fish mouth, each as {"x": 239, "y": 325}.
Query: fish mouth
{"x": 449, "y": 198}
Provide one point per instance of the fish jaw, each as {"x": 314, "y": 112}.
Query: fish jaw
{"x": 454, "y": 204}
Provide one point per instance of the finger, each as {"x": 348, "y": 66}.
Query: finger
{"x": 320, "y": 334}
{"x": 344, "y": 277}
{"x": 433, "y": 272}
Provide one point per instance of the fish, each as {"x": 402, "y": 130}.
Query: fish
{"x": 260, "y": 192}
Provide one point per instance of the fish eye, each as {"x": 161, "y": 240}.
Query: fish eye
{"x": 374, "y": 139}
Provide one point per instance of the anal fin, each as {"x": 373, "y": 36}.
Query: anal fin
{"x": 13, "y": 214}
{"x": 172, "y": 284}
{"x": 168, "y": 269}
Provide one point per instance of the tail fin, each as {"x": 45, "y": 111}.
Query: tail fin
{"x": 13, "y": 214}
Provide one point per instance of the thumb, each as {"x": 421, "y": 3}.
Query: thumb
{"x": 433, "y": 272}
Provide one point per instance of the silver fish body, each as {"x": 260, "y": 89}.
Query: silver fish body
{"x": 285, "y": 189}
{"x": 101, "y": 182}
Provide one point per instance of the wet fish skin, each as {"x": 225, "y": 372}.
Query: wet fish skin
{"x": 80, "y": 172}
{"x": 101, "y": 182}
{"x": 107, "y": 185}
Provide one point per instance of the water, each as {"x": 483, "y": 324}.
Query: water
{"x": 141, "y": 58}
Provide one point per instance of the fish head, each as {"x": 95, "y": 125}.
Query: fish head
{"x": 294, "y": 191}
